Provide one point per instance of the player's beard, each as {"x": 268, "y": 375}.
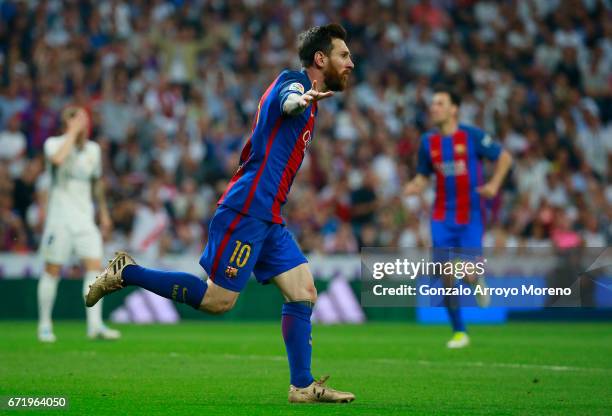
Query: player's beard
{"x": 334, "y": 80}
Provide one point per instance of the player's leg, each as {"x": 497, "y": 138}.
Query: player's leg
{"x": 93, "y": 267}
{"x": 88, "y": 246}
{"x": 460, "y": 337}
{"x": 55, "y": 250}
{"x": 123, "y": 271}
{"x": 470, "y": 240}
{"x": 95, "y": 325}
{"x": 444, "y": 238}
{"x": 182, "y": 287}
{"x": 283, "y": 263}
{"x": 297, "y": 287}
{"x": 46, "y": 292}
{"x": 227, "y": 259}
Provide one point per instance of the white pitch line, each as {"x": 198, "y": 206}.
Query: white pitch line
{"x": 495, "y": 365}
{"x": 438, "y": 363}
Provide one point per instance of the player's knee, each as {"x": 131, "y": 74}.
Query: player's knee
{"x": 217, "y": 306}
{"x": 218, "y": 300}
{"x": 221, "y": 307}
{"x": 307, "y": 292}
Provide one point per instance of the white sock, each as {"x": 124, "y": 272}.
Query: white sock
{"x": 94, "y": 314}
{"x": 47, "y": 289}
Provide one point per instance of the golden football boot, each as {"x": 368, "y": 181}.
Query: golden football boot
{"x": 318, "y": 392}
{"x": 109, "y": 280}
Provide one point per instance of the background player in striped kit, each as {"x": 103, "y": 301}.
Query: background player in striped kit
{"x": 454, "y": 152}
{"x": 247, "y": 233}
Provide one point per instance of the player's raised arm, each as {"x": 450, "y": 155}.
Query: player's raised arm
{"x": 296, "y": 103}
{"x": 75, "y": 121}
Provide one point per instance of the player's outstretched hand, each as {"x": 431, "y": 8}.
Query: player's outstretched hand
{"x": 488, "y": 190}
{"x": 313, "y": 95}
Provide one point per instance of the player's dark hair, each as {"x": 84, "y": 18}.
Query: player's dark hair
{"x": 318, "y": 38}
{"x": 455, "y": 98}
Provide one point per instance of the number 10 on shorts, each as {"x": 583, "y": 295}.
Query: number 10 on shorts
{"x": 241, "y": 253}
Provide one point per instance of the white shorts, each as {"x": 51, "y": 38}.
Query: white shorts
{"x": 60, "y": 241}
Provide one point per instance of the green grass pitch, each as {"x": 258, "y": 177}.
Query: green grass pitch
{"x": 226, "y": 368}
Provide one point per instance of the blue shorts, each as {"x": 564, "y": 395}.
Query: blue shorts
{"x": 445, "y": 234}
{"x": 446, "y": 237}
{"x": 239, "y": 245}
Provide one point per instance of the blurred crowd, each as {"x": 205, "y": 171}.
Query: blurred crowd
{"x": 172, "y": 86}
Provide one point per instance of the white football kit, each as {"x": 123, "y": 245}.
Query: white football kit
{"x": 70, "y": 224}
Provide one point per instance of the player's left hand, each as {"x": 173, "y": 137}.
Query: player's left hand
{"x": 488, "y": 190}
{"x": 315, "y": 95}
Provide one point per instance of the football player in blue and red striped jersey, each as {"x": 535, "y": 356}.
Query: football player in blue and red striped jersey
{"x": 454, "y": 153}
{"x": 247, "y": 233}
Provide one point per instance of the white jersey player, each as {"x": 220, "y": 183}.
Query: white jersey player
{"x": 74, "y": 166}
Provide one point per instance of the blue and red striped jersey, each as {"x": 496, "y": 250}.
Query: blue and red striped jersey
{"x": 456, "y": 161}
{"x": 273, "y": 153}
